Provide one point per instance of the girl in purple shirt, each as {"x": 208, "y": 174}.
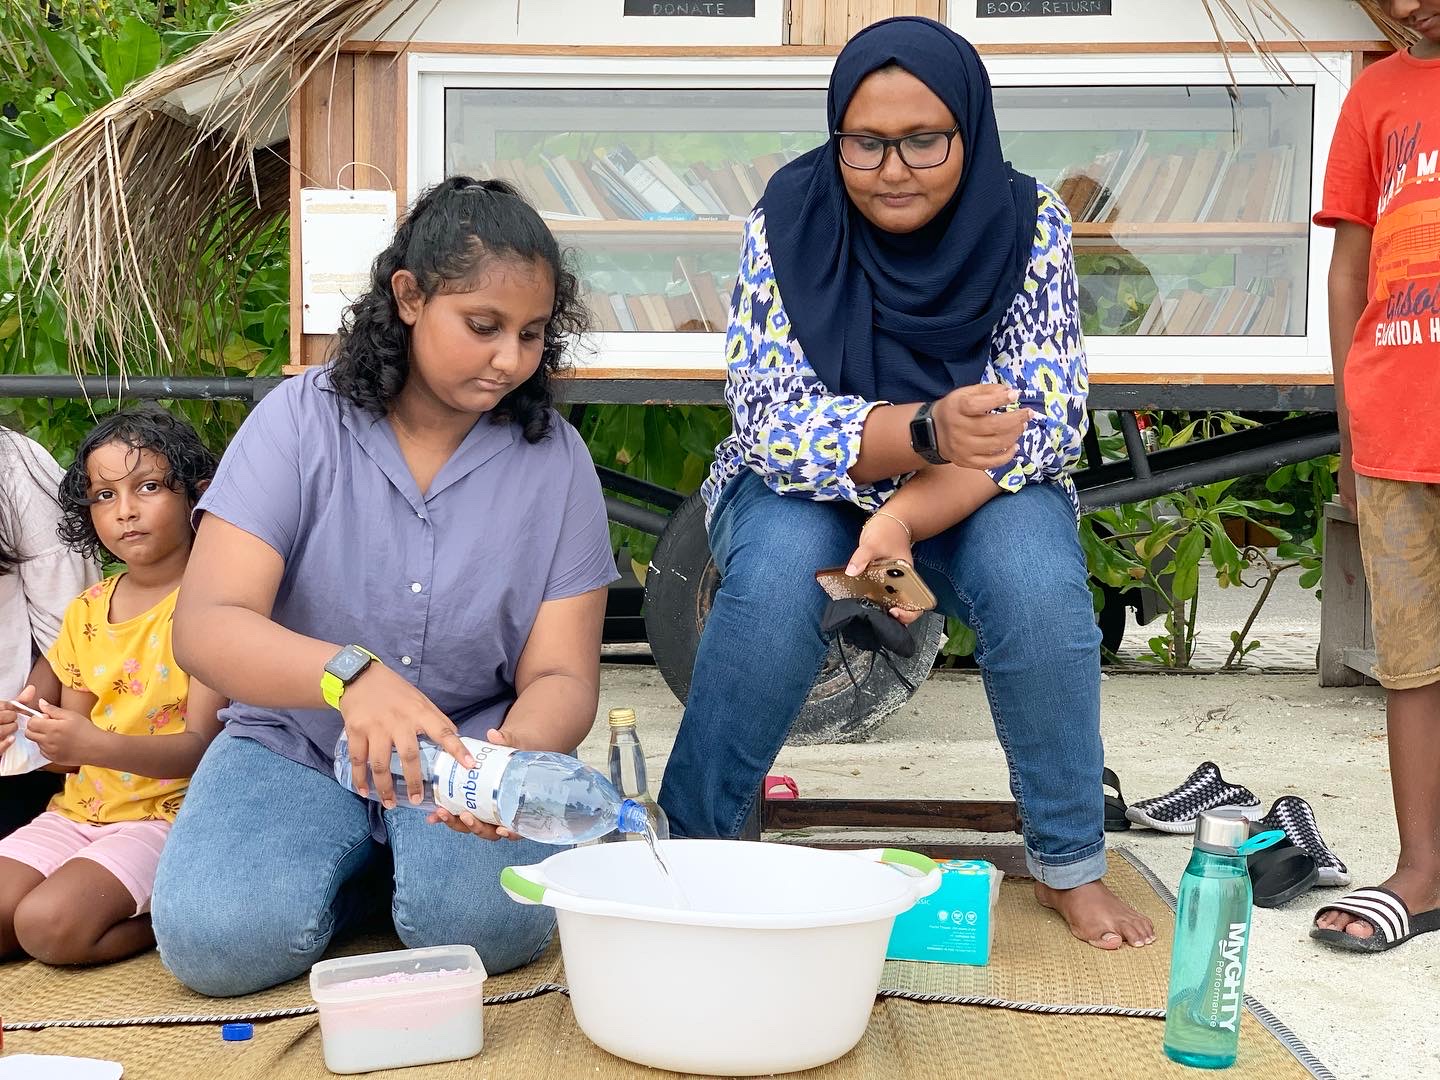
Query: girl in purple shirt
{"x": 417, "y": 501}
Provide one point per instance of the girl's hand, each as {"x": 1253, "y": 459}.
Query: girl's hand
{"x": 883, "y": 537}
{"x": 971, "y": 434}
{"x": 469, "y": 823}
{"x": 10, "y": 718}
{"x": 65, "y": 737}
{"x": 383, "y": 712}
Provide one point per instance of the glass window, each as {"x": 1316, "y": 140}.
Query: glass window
{"x": 1191, "y": 204}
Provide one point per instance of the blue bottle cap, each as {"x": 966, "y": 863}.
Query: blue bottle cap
{"x": 237, "y": 1032}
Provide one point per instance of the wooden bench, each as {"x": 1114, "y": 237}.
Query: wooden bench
{"x": 1347, "y": 645}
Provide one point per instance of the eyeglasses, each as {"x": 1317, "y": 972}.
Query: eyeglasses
{"x": 922, "y": 150}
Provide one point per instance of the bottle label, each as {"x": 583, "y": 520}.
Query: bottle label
{"x": 475, "y": 791}
{"x": 1228, "y": 987}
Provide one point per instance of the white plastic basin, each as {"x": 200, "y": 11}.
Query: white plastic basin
{"x": 772, "y": 968}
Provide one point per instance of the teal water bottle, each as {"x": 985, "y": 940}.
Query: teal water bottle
{"x": 1212, "y": 937}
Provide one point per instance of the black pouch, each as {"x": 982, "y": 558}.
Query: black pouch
{"x": 865, "y": 626}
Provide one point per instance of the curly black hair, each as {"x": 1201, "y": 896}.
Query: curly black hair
{"x": 145, "y": 427}
{"x": 448, "y": 236}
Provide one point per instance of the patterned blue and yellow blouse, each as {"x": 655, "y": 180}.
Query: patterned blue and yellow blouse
{"x": 802, "y": 439}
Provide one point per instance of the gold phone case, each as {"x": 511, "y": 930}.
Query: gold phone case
{"x": 886, "y": 583}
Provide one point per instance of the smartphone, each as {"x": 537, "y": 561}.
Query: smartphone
{"x": 886, "y": 583}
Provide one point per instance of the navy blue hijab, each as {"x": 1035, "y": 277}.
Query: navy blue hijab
{"x": 902, "y": 317}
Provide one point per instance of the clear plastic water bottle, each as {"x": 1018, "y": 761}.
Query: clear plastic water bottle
{"x": 627, "y": 774}
{"x": 1212, "y": 938}
{"x": 539, "y": 795}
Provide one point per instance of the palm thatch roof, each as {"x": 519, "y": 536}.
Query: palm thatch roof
{"x": 151, "y": 204}
{"x": 144, "y": 208}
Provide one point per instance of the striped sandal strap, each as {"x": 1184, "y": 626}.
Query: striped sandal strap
{"x": 1378, "y": 906}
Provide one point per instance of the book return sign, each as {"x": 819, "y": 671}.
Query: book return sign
{"x": 705, "y": 9}
{"x": 1038, "y": 9}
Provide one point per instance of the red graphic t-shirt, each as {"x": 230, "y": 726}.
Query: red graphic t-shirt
{"x": 1384, "y": 173}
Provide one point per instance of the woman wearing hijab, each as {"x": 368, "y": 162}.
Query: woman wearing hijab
{"x": 901, "y": 291}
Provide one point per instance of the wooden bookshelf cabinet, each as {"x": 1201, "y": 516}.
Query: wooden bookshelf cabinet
{"x": 1191, "y": 201}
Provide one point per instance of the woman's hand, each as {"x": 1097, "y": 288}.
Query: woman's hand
{"x": 971, "y": 434}
{"x": 884, "y": 537}
{"x": 65, "y": 737}
{"x": 382, "y": 711}
{"x": 468, "y": 822}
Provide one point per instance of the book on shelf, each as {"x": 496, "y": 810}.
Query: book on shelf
{"x": 622, "y": 312}
{"x": 714, "y": 308}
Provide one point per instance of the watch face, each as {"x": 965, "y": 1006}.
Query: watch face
{"x": 922, "y": 434}
{"x": 347, "y": 663}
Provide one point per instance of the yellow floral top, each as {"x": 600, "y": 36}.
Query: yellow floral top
{"x": 131, "y": 670}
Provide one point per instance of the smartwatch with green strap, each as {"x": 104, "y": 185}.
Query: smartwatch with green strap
{"x": 342, "y": 670}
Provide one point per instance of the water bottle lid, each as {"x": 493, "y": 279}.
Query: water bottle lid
{"x": 622, "y": 717}
{"x": 1222, "y": 831}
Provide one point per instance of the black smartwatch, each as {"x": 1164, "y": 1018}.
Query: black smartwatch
{"x": 922, "y": 436}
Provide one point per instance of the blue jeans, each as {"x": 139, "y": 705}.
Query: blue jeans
{"x": 1013, "y": 571}
{"x": 269, "y": 858}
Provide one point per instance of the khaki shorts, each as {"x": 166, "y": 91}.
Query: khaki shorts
{"x": 1400, "y": 543}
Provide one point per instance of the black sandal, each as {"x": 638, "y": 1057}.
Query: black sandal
{"x": 1388, "y": 916}
{"x": 1115, "y": 819}
{"x": 1280, "y": 873}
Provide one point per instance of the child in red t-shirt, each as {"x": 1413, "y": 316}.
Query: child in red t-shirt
{"x": 1382, "y": 196}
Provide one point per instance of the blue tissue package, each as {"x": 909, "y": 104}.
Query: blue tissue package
{"x": 956, "y": 923}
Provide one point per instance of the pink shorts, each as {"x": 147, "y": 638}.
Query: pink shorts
{"x": 130, "y": 850}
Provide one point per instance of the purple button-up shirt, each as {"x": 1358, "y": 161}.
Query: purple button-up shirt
{"x": 443, "y": 587}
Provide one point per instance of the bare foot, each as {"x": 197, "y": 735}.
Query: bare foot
{"x": 1097, "y": 916}
{"x": 1419, "y": 888}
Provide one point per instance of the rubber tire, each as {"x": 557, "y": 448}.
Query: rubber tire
{"x": 679, "y": 587}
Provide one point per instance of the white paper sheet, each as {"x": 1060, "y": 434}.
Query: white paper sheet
{"x": 54, "y": 1067}
{"x": 341, "y": 232}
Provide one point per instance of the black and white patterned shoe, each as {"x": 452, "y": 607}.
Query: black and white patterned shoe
{"x": 1295, "y": 818}
{"x": 1205, "y": 789}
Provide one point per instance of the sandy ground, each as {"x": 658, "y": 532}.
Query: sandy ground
{"x": 1365, "y": 1016}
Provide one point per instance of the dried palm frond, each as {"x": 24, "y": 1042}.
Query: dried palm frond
{"x": 1399, "y": 35}
{"x": 1246, "y": 21}
{"x": 141, "y": 211}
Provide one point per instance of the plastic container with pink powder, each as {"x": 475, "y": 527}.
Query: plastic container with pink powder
{"x": 396, "y": 1009}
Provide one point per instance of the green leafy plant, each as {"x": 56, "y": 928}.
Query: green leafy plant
{"x": 1161, "y": 544}
{"x": 670, "y": 446}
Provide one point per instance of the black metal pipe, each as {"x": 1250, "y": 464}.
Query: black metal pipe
{"x": 636, "y": 517}
{"x": 1277, "y": 433}
{"x": 640, "y": 489}
{"x": 1262, "y": 459}
{"x": 1135, "y": 446}
{"x": 140, "y": 387}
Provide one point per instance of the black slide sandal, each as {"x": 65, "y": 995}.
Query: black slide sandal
{"x": 1281, "y": 873}
{"x": 1387, "y": 915}
{"x": 1115, "y": 819}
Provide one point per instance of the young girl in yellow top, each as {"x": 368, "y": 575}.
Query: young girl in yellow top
{"x": 130, "y": 726}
